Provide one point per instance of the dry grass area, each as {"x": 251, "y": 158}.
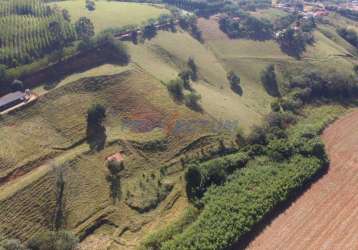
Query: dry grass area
{"x": 141, "y": 122}
{"x": 325, "y": 216}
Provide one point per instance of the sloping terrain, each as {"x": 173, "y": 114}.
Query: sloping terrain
{"x": 112, "y": 14}
{"x": 141, "y": 123}
{"x": 325, "y": 217}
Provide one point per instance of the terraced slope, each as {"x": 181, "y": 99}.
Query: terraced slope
{"x": 326, "y": 216}
{"x": 141, "y": 122}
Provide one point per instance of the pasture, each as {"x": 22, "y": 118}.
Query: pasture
{"x": 112, "y": 14}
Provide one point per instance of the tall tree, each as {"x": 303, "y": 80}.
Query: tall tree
{"x": 84, "y": 28}
{"x": 96, "y": 132}
{"x": 268, "y": 79}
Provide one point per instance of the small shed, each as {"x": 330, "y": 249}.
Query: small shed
{"x": 12, "y": 99}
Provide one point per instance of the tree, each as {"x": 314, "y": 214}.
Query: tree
{"x": 60, "y": 187}
{"x": 84, "y": 28}
{"x": 57, "y": 34}
{"x": 2, "y": 73}
{"x": 96, "y": 132}
{"x": 185, "y": 76}
{"x": 268, "y": 79}
{"x": 175, "y": 88}
{"x": 193, "y": 68}
{"x": 192, "y": 101}
{"x": 234, "y": 81}
{"x": 66, "y": 15}
{"x": 90, "y": 5}
{"x": 149, "y": 31}
{"x": 134, "y": 36}
{"x": 355, "y": 68}
{"x": 114, "y": 168}
{"x": 17, "y": 85}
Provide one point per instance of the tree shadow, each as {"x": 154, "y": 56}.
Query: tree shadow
{"x": 237, "y": 89}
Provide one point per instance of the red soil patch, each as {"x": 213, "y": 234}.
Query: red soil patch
{"x": 116, "y": 157}
{"x": 326, "y": 216}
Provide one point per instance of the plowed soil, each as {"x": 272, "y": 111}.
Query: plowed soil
{"x": 326, "y": 216}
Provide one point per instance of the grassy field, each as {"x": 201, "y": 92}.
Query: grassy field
{"x": 269, "y": 14}
{"x": 164, "y": 58}
{"x": 112, "y": 14}
{"x": 57, "y": 120}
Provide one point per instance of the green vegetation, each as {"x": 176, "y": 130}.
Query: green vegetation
{"x": 349, "y": 35}
{"x": 111, "y": 14}
{"x": 246, "y": 27}
{"x": 268, "y": 79}
{"x": 114, "y": 168}
{"x": 29, "y": 30}
{"x": 96, "y": 132}
{"x": 252, "y": 192}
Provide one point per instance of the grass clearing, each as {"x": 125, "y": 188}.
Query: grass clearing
{"x": 112, "y": 14}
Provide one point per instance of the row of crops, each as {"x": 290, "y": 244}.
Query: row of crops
{"x": 25, "y": 31}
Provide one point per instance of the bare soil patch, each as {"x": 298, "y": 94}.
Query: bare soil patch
{"x": 326, "y": 216}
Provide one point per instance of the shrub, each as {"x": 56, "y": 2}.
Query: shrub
{"x": 268, "y": 79}
{"x": 175, "y": 88}
{"x": 192, "y": 101}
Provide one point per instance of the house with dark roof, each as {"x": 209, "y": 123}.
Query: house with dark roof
{"x": 12, "y": 99}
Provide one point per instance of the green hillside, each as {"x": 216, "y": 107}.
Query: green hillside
{"x": 112, "y": 14}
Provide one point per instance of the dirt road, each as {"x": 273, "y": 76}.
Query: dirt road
{"x": 326, "y": 216}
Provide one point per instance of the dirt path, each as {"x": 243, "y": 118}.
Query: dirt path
{"x": 326, "y": 216}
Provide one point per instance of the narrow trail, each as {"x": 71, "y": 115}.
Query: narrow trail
{"x": 326, "y": 216}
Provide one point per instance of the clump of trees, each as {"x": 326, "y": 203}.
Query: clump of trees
{"x": 96, "y": 131}
{"x": 191, "y": 100}
{"x": 189, "y": 23}
{"x": 90, "y": 5}
{"x": 84, "y": 28}
{"x": 193, "y": 69}
{"x": 269, "y": 81}
{"x": 234, "y": 80}
{"x": 149, "y": 31}
{"x": 349, "y": 35}
{"x": 175, "y": 88}
{"x": 294, "y": 42}
{"x": 246, "y": 26}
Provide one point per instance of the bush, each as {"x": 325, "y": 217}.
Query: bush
{"x": 268, "y": 79}
{"x": 193, "y": 69}
{"x": 175, "y": 88}
{"x": 349, "y": 35}
{"x": 192, "y": 101}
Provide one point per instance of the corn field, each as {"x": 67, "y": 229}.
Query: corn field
{"x": 25, "y": 33}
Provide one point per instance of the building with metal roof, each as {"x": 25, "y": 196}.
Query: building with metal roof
{"x": 12, "y": 99}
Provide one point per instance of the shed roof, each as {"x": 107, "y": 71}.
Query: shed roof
{"x": 9, "y": 98}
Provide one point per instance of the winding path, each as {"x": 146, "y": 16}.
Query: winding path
{"x": 326, "y": 216}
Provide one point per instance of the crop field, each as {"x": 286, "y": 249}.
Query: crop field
{"x": 112, "y": 14}
{"x": 326, "y": 214}
{"x": 25, "y": 33}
